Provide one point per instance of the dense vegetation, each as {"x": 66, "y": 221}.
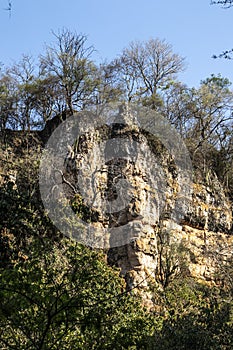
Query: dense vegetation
{"x": 57, "y": 294}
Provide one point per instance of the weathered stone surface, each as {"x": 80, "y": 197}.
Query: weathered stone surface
{"x": 210, "y": 209}
{"x": 204, "y": 229}
{"x": 147, "y": 205}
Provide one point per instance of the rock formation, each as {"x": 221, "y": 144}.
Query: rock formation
{"x": 144, "y": 217}
{"x": 151, "y": 216}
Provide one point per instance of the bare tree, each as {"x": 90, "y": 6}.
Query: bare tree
{"x": 8, "y": 93}
{"x": 225, "y": 3}
{"x": 176, "y": 102}
{"x": 23, "y": 74}
{"x": 146, "y": 67}
{"x": 69, "y": 60}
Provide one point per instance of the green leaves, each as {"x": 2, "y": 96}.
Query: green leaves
{"x": 195, "y": 316}
{"x": 65, "y": 294}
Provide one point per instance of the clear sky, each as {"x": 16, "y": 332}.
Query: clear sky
{"x": 194, "y": 28}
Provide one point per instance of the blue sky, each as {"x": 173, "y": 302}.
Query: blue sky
{"x": 194, "y": 28}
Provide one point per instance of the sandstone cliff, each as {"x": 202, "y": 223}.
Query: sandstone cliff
{"x": 154, "y": 220}
{"x": 153, "y": 242}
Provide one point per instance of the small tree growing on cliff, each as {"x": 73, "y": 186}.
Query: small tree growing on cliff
{"x": 172, "y": 259}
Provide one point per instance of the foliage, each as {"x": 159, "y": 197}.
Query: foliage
{"x": 203, "y": 117}
{"x": 54, "y": 293}
{"x": 65, "y": 296}
{"x": 195, "y": 316}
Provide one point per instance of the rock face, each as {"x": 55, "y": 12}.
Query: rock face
{"x": 135, "y": 194}
{"x": 209, "y": 252}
